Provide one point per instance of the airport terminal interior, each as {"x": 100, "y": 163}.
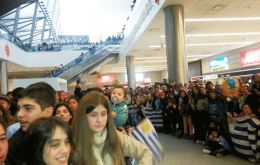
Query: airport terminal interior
{"x": 189, "y": 71}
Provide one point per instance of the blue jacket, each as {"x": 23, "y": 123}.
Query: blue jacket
{"x": 121, "y": 113}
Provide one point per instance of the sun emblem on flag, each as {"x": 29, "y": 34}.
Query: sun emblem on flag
{"x": 145, "y": 128}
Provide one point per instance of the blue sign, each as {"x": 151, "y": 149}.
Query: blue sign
{"x": 219, "y": 64}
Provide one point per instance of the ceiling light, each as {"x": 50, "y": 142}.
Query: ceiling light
{"x": 155, "y": 46}
{"x": 222, "y": 19}
{"x": 145, "y": 58}
{"x": 222, "y": 34}
{"x": 221, "y": 43}
{"x": 163, "y": 36}
{"x": 202, "y": 55}
{"x": 151, "y": 61}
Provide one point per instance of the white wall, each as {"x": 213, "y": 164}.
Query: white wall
{"x": 57, "y": 83}
{"x": 36, "y": 59}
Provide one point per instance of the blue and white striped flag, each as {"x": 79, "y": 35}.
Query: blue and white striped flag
{"x": 146, "y": 134}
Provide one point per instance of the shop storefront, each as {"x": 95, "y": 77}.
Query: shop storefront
{"x": 238, "y": 63}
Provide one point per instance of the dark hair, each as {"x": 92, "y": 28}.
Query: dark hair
{"x": 42, "y": 93}
{"x": 65, "y": 105}
{"x": 44, "y": 85}
{"x": 39, "y": 133}
{"x": 3, "y": 124}
{"x": 4, "y": 118}
{"x": 73, "y": 98}
{"x": 94, "y": 89}
{"x": 246, "y": 104}
{"x": 16, "y": 92}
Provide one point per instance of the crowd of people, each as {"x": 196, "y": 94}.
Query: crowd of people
{"x": 40, "y": 121}
{"x": 50, "y": 124}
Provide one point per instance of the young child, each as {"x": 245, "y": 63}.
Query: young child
{"x": 216, "y": 144}
{"x": 119, "y": 106}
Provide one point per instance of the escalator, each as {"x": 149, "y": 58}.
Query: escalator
{"x": 88, "y": 62}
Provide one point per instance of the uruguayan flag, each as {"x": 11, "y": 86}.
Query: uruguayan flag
{"x": 146, "y": 134}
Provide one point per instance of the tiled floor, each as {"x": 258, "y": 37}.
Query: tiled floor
{"x": 185, "y": 152}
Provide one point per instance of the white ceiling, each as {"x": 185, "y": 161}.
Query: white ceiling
{"x": 220, "y": 36}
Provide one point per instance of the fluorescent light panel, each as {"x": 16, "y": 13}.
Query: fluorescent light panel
{"x": 213, "y": 44}
{"x": 145, "y": 58}
{"x": 200, "y": 55}
{"x": 221, "y": 19}
{"x": 219, "y": 34}
{"x": 222, "y": 34}
{"x": 156, "y": 46}
{"x": 151, "y": 61}
{"x": 221, "y": 43}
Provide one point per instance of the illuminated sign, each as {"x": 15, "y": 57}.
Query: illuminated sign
{"x": 250, "y": 58}
{"x": 219, "y": 64}
{"x": 106, "y": 79}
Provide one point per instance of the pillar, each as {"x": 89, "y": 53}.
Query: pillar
{"x": 130, "y": 67}
{"x": 175, "y": 43}
{"x": 3, "y": 77}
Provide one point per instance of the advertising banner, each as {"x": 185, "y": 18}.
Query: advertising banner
{"x": 250, "y": 58}
{"x": 106, "y": 79}
{"x": 219, "y": 64}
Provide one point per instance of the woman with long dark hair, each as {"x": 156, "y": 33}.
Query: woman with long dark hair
{"x": 49, "y": 142}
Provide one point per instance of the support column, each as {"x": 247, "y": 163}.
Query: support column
{"x": 175, "y": 43}
{"x": 130, "y": 67}
{"x": 3, "y": 77}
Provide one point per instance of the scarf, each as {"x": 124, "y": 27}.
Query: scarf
{"x": 100, "y": 138}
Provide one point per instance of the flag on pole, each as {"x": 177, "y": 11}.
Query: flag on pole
{"x": 146, "y": 134}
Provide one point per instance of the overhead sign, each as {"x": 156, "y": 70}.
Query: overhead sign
{"x": 106, "y": 79}
{"x": 196, "y": 78}
{"x": 219, "y": 64}
{"x": 250, "y": 58}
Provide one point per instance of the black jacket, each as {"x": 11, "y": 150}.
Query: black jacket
{"x": 17, "y": 150}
